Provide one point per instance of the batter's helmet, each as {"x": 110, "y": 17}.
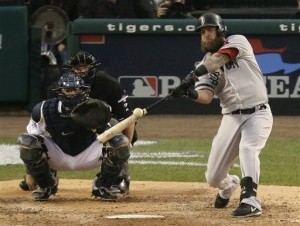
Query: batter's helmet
{"x": 212, "y": 20}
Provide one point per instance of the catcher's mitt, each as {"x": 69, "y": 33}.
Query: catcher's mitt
{"x": 92, "y": 114}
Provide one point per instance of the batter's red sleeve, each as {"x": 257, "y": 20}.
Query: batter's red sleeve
{"x": 231, "y": 52}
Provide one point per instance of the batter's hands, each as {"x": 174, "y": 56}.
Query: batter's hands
{"x": 185, "y": 88}
{"x": 179, "y": 92}
{"x": 190, "y": 93}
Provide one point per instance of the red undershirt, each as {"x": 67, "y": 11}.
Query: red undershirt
{"x": 231, "y": 52}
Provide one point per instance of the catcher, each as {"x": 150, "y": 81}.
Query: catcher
{"x": 58, "y": 138}
{"x": 103, "y": 87}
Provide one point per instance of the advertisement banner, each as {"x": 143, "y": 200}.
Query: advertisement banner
{"x": 150, "y": 64}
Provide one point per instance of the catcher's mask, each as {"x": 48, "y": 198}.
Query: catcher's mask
{"x": 212, "y": 20}
{"x": 84, "y": 64}
{"x": 71, "y": 90}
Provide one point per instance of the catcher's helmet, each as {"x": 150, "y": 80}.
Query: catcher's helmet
{"x": 82, "y": 58}
{"x": 212, "y": 20}
{"x": 71, "y": 90}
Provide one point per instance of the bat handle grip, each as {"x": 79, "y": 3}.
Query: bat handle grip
{"x": 148, "y": 108}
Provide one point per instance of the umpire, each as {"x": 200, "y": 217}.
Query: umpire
{"x": 108, "y": 89}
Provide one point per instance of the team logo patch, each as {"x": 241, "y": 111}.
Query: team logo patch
{"x": 140, "y": 86}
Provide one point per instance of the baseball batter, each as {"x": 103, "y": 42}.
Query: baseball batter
{"x": 229, "y": 71}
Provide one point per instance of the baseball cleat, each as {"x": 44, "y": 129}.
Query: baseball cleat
{"x": 43, "y": 194}
{"x": 123, "y": 185}
{"x": 220, "y": 202}
{"x": 246, "y": 210}
{"x": 23, "y": 185}
{"x": 107, "y": 194}
{"x": 28, "y": 183}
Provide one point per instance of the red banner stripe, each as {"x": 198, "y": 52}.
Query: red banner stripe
{"x": 92, "y": 39}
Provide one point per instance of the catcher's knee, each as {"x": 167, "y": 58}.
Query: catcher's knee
{"x": 31, "y": 148}
{"x": 118, "y": 149}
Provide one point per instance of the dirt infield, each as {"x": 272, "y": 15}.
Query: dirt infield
{"x": 175, "y": 203}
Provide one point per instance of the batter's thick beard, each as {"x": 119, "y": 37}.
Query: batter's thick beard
{"x": 212, "y": 46}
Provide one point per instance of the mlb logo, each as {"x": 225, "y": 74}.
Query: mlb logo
{"x": 140, "y": 86}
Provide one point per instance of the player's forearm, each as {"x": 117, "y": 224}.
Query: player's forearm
{"x": 204, "y": 96}
{"x": 213, "y": 63}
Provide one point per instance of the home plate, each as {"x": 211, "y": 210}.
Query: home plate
{"x": 123, "y": 216}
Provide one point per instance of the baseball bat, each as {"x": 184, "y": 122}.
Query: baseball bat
{"x": 137, "y": 113}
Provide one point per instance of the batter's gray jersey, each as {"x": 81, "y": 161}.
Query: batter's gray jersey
{"x": 239, "y": 84}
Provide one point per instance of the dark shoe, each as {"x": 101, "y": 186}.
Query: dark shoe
{"x": 220, "y": 202}
{"x": 107, "y": 194}
{"x": 123, "y": 184}
{"x": 246, "y": 210}
{"x": 105, "y": 191}
{"x": 24, "y": 183}
{"x": 43, "y": 194}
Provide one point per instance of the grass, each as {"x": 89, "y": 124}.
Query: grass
{"x": 279, "y": 162}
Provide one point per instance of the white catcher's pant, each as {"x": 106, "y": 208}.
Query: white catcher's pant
{"x": 89, "y": 159}
{"x": 242, "y": 136}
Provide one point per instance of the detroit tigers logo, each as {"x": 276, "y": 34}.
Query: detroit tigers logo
{"x": 140, "y": 86}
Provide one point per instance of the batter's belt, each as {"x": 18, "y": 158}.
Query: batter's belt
{"x": 249, "y": 111}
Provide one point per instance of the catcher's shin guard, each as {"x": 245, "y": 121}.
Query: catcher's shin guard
{"x": 33, "y": 152}
{"x": 116, "y": 154}
{"x": 103, "y": 185}
{"x": 123, "y": 180}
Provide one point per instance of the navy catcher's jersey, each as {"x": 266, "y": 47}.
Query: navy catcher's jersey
{"x": 69, "y": 136}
